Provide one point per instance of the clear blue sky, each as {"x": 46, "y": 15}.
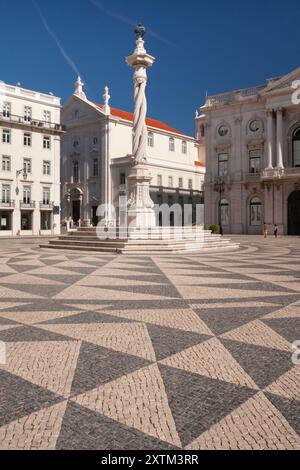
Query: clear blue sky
{"x": 199, "y": 45}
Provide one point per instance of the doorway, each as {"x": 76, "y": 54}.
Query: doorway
{"x": 294, "y": 213}
{"x": 76, "y": 211}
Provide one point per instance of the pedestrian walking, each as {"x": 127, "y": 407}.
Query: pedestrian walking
{"x": 276, "y": 231}
{"x": 265, "y": 230}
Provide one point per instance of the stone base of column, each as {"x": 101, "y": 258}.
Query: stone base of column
{"x": 140, "y": 205}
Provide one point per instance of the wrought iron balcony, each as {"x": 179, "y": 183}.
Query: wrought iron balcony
{"x": 46, "y": 205}
{"x": 27, "y": 205}
{"x": 31, "y": 123}
{"x": 4, "y": 204}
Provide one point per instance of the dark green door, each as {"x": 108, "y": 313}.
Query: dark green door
{"x": 294, "y": 213}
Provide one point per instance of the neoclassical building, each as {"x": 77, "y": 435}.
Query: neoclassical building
{"x": 252, "y": 145}
{"x": 97, "y": 155}
{"x": 30, "y": 162}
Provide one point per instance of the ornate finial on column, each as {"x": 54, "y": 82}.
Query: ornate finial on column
{"x": 79, "y": 88}
{"x": 106, "y": 98}
{"x": 196, "y": 114}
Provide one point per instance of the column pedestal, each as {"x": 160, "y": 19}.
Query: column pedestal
{"x": 140, "y": 205}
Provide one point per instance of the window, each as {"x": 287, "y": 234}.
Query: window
{"x": 47, "y": 118}
{"x": 45, "y": 220}
{"x": 6, "y": 163}
{"x": 27, "y": 165}
{"x": 95, "y": 140}
{"x": 46, "y": 196}
{"x": 27, "y": 140}
{"x": 222, "y": 164}
{"x": 75, "y": 172}
{"x": 150, "y": 139}
{"x": 95, "y": 167}
{"x": 190, "y": 184}
{"x": 6, "y": 136}
{"x": 122, "y": 178}
{"x": 75, "y": 143}
{"x": 254, "y": 161}
{"x": 26, "y": 194}
{"x": 172, "y": 144}
{"x": 202, "y": 130}
{"x": 159, "y": 180}
{"x": 27, "y": 113}
{"x": 296, "y": 148}
{"x": 46, "y": 167}
{"x": 184, "y": 147}
{"x": 170, "y": 181}
{"x": 180, "y": 182}
{"x": 46, "y": 142}
{"x": 224, "y": 209}
{"x": 6, "y": 193}
{"x": 255, "y": 212}
{"x": 6, "y": 110}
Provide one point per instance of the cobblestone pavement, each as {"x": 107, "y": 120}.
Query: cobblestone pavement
{"x": 126, "y": 352}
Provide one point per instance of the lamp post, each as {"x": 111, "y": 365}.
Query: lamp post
{"x": 25, "y": 176}
{"x": 220, "y": 187}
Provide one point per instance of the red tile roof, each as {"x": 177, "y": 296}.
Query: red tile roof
{"x": 150, "y": 122}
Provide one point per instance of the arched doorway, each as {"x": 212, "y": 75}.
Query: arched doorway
{"x": 76, "y": 201}
{"x": 294, "y": 213}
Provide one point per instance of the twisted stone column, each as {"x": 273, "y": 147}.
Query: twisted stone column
{"x": 140, "y": 112}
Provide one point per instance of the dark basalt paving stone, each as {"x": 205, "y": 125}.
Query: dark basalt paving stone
{"x": 164, "y": 290}
{"x": 6, "y": 321}
{"x": 223, "y": 320}
{"x": 21, "y": 268}
{"x": 42, "y": 290}
{"x": 67, "y": 279}
{"x": 88, "y": 317}
{"x": 197, "y": 402}
{"x": 264, "y": 365}
{"x": 256, "y": 286}
{"x": 30, "y": 334}
{"x": 290, "y": 409}
{"x": 19, "y": 398}
{"x": 97, "y": 365}
{"x": 169, "y": 341}
{"x": 83, "y": 429}
{"x": 289, "y": 328}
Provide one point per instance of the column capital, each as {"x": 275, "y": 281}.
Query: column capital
{"x": 279, "y": 110}
{"x": 269, "y": 111}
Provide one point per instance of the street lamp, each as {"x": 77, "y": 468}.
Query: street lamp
{"x": 25, "y": 176}
{"x": 220, "y": 187}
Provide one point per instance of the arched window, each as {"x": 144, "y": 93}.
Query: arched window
{"x": 202, "y": 130}
{"x": 255, "y": 212}
{"x": 150, "y": 139}
{"x": 184, "y": 147}
{"x": 172, "y": 144}
{"x": 75, "y": 172}
{"x": 224, "y": 212}
{"x": 296, "y": 148}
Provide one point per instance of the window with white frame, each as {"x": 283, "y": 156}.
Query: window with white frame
{"x": 180, "y": 182}
{"x": 150, "y": 139}
{"x": 95, "y": 167}
{"x": 46, "y": 167}
{"x": 46, "y": 195}
{"x": 224, "y": 207}
{"x": 27, "y": 139}
{"x": 222, "y": 164}
{"x": 6, "y": 113}
{"x": 27, "y": 165}
{"x": 184, "y": 147}
{"x": 6, "y": 136}
{"x": 255, "y": 212}
{"x": 46, "y": 142}
{"x": 254, "y": 161}
{"x": 27, "y": 113}
{"x": 75, "y": 172}
{"x": 122, "y": 178}
{"x": 26, "y": 194}
{"x": 296, "y": 148}
{"x": 170, "y": 181}
{"x": 6, "y": 163}
{"x": 47, "y": 118}
{"x": 6, "y": 193}
{"x": 159, "y": 180}
{"x": 190, "y": 184}
{"x": 172, "y": 144}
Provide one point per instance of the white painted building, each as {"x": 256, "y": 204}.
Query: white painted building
{"x": 30, "y": 162}
{"x": 97, "y": 157}
{"x": 252, "y": 146}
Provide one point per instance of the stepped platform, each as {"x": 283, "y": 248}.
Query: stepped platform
{"x": 157, "y": 240}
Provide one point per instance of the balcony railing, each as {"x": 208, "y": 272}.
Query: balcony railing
{"x": 27, "y": 205}
{"x": 30, "y": 122}
{"x": 46, "y": 205}
{"x": 6, "y": 204}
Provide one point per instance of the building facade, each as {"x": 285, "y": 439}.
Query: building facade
{"x": 252, "y": 146}
{"x": 97, "y": 158}
{"x": 30, "y": 162}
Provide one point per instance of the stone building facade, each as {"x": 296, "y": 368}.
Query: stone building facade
{"x": 252, "y": 146}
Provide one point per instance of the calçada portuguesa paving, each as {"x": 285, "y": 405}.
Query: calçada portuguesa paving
{"x": 124, "y": 352}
